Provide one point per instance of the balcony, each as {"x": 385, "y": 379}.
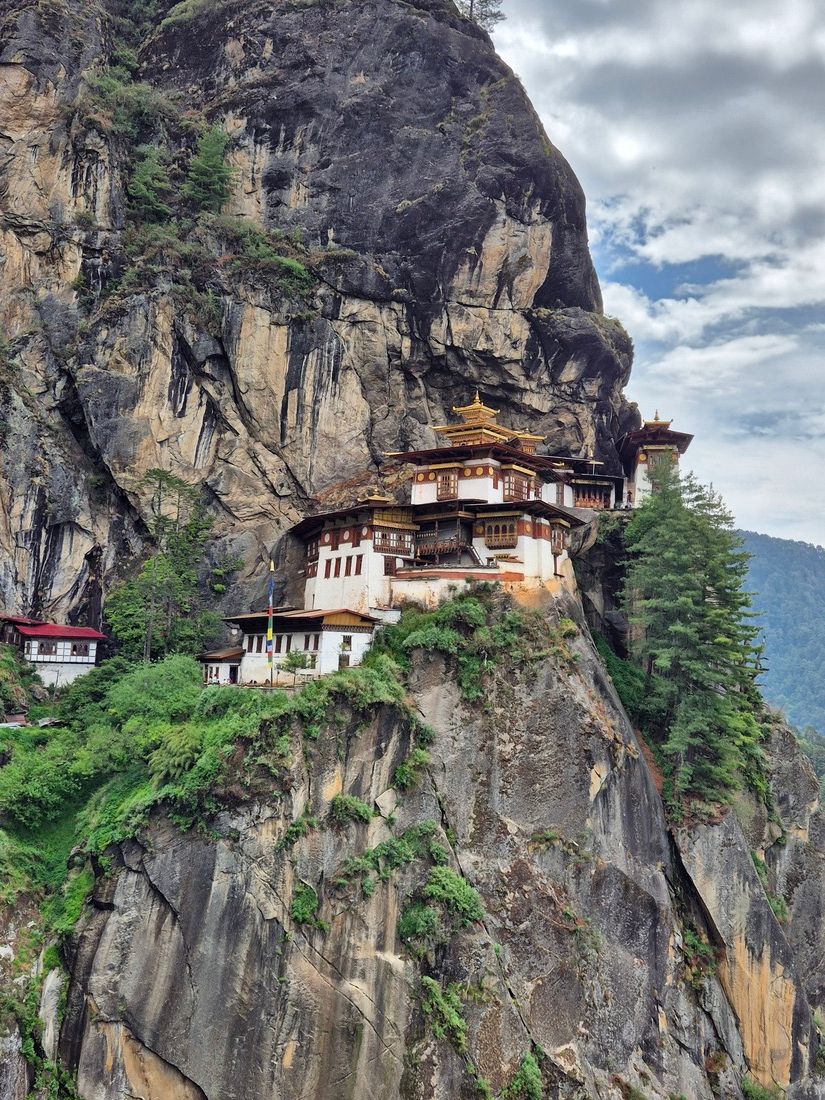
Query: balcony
{"x": 501, "y": 542}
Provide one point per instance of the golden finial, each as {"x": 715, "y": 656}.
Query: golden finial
{"x": 656, "y": 415}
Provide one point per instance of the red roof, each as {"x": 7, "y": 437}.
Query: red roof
{"x": 53, "y": 630}
{"x": 19, "y": 619}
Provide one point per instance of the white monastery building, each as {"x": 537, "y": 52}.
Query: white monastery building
{"x": 484, "y": 505}
{"x": 59, "y": 653}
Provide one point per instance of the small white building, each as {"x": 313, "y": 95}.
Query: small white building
{"x": 328, "y": 641}
{"x": 59, "y": 653}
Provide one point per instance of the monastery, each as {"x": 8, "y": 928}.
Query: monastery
{"x": 484, "y": 506}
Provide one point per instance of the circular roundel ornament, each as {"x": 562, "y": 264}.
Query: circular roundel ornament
{"x": 326, "y": 537}
{"x": 432, "y": 477}
{"x": 420, "y": 477}
{"x": 479, "y": 528}
{"x": 365, "y": 531}
{"x": 479, "y": 471}
{"x": 346, "y": 536}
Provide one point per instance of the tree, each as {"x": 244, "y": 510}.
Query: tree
{"x": 487, "y": 13}
{"x": 149, "y": 186}
{"x": 160, "y": 611}
{"x": 209, "y": 179}
{"x": 692, "y": 630}
{"x": 294, "y": 661}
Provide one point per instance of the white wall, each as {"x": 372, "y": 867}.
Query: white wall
{"x": 61, "y": 673}
{"x": 356, "y": 592}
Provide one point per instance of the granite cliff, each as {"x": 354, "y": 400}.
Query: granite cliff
{"x": 445, "y": 237}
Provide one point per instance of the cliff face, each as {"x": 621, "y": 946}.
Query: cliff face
{"x": 192, "y": 977}
{"x": 445, "y": 234}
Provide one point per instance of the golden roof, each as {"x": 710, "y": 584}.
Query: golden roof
{"x": 656, "y": 422}
{"x": 478, "y": 425}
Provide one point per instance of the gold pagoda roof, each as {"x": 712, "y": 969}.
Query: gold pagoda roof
{"x": 478, "y": 425}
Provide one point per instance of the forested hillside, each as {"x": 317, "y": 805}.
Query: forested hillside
{"x": 788, "y": 582}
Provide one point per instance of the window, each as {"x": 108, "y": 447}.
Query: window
{"x": 557, "y": 540}
{"x": 346, "y": 643}
{"x": 80, "y": 649}
{"x": 250, "y": 642}
{"x": 337, "y": 567}
{"x": 501, "y": 536}
{"x": 279, "y": 641}
{"x": 447, "y": 485}
{"x": 359, "y": 561}
{"x": 312, "y": 550}
{"x": 348, "y": 570}
{"x": 259, "y": 643}
{"x": 317, "y": 641}
{"x": 46, "y": 649}
{"x": 516, "y": 486}
{"x": 328, "y": 567}
{"x": 307, "y": 641}
{"x": 560, "y": 492}
{"x": 288, "y": 641}
{"x": 389, "y": 567}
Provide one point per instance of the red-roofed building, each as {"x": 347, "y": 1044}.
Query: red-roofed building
{"x": 59, "y": 653}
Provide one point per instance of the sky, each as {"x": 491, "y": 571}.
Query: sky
{"x": 697, "y": 129}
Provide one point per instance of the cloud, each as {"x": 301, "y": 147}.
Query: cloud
{"x": 696, "y": 131}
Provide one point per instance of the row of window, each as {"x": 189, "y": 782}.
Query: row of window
{"x": 516, "y": 487}
{"x": 352, "y": 565}
{"x": 49, "y": 649}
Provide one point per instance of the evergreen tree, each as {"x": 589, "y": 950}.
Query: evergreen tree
{"x": 209, "y": 179}
{"x": 692, "y": 630}
{"x": 487, "y": 13}
{"x": 160, "y": 611}
{"x": 149, "y": 186}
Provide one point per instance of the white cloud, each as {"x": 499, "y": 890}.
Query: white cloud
{"x": 696, "y": 131}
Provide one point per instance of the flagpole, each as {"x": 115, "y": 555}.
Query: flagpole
{"x": 269, "y": 646}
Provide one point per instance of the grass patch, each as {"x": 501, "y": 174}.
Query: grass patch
{"x": 409, "y": 772}
{"x": 346, "y": 807}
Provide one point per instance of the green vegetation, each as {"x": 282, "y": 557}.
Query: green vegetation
{"x": 418, "y": 923}
{"x": 161, "y": 610}
{"x": 149, "y": 187}
{"x": 751, "y": 1090}
{"x": 460, "y": 899}
{"x": 480, "y": 631}
{"x": 304, "y": 906}
{"x": 692, "y": 684}
{"x": 699, "y": 956}
{"x": 187, "y": 11}
{"x": 788, "y": 581}
{"x": 209, "y": 179}
{"x": 346, "y": 807}
{"x": 298, "y": 830}
{"x": 17, "y": 678}
{"x": 445, "y": 1013}
{"x": 409, "y": 772}
{"x": 527, "y": 1083}
{"x": 486, "y": 13}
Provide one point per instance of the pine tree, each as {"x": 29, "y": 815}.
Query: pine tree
{"x": 149, "y": 186}
{"x": 692, "y": 630}
{"x": 209, "y": 179}
{"x": 487, "y": 13}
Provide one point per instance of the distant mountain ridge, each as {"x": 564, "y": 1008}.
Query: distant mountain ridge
{"x": 787, "y": 579}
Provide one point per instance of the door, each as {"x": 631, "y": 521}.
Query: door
{"x": 233, "y": 674}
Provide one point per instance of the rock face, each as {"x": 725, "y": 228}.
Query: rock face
{"x": 192, "y": 978}
{"x": 447, "y": 236}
